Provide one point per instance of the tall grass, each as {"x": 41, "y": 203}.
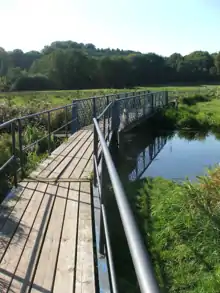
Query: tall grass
{"x": 195, "y": 112}
{"x": 181, "y": 227}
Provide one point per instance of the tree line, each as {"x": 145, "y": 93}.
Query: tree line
{"x": 71, "y": 65}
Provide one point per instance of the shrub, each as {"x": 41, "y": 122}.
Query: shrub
{"x": 30, "y": 83}
{"x": 192, "y": 100}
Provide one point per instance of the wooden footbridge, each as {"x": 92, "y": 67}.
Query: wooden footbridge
{"x": 54, "y": 234}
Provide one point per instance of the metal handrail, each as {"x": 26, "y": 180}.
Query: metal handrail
{"x": 15, "y": 125}
{"x": 140, "y": 257}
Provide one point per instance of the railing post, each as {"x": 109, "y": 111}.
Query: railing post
{"x": 66, "y": 121}
{"x": 108, "y": 121}
{"x": 152, "y": 102}
{"x": 166, "y": 98}
{"x": 103, "y": 186}
{"x": 94, "y": 107}
{"x": 49, "y": 132}
{"x": 104, "y": 124}
{"x": 144, "y": 105}
{"x": 137, "y": 104}
{"x": 14, "y": 153}
{"x": 74, "y": 117}
{"x": 95, "y": 153}
{"x": 115, "y": 116}
{"x": 20, "y": 147}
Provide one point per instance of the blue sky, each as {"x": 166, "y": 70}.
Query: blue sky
{"x": 160, "y": 26}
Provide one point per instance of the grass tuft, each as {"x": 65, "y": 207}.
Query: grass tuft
{"x": 181, "y": 227}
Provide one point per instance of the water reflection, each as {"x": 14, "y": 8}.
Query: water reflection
{"x": 146, "y": 157}
{"x": 172, "y": 155}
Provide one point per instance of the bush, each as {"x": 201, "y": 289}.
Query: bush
{"x": 32, "y": 83}
{"x": 189, "y": 101}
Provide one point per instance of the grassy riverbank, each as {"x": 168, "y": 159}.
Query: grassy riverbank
{"x": 181, "y": 227}
{"x": 196, "y": 112}
{"x": 180, "y": 222}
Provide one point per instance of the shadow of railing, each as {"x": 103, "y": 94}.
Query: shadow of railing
{"x": 11, "y": 230}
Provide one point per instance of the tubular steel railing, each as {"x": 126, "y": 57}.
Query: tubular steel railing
{"x": 34, "y": 132}
{"x": 110, "y": 121}
{"x": 140, "y": 258}
{"x": 39, "y": 131}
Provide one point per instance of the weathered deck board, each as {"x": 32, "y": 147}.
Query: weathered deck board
{"x": 85, "y": 257}
{"x": 64, "y": 279}
{"x": 46, "y": 240}
{"x": 46, "y": 267}
{"x": 26, "y": 267}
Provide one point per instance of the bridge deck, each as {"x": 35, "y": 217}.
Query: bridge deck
{"x": 46, "y": 239}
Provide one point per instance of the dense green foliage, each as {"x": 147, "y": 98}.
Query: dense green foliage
{"x": 180, "y": 224}
{"x": 70, "y": 65}
{"x": 196, "y": 112}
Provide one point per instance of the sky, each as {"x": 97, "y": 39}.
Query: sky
{"x": 159, "y": 26}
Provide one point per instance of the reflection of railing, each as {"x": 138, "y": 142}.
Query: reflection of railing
{"x": 146, "y": 157}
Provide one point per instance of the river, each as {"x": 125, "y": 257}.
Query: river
{"x": 171, "y": 155}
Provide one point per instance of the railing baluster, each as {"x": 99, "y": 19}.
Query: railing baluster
{"x": 103, "y": 186}
{"x": 66, "y": 121}
{"x": 49, "y": 132}
{"x": 94, "y": 107}
{"x": 14, "y": 153}
{"x": 108, "y": 114}
{"x": 104, "y": 124}
{"x": 20, "y": 147}
{"x": 95, "y": 153}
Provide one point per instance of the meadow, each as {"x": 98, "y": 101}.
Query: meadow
{"x": 64, "y": 97}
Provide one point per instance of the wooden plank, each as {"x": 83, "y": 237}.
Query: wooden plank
{"x": 89, "y": 151}
{"x": 18, "y": 241}
{"x": 89, "y": 166}
{"x": 60, "y": 157}
{"x": 10, "y": 226}
{"x": 62, "y": 147}
{"x": 9, "y": 202}
{"x": 73, "y": 165}
{"x": 85, "y": 193}
{"x": 85, "y": 146}
{"x": 74, "y": 143}
{"x": 88, "y": 169}
{"x": 79, "y": 168}
{"x": 68, "y": 171}
{"x": 85, "y": 281}
{"x": 25, "y": 270}
{"x": 66, "y": 261}
{"x": 64, "y": 184}
{"x": 79, "y": 145}
{"x": 42, "y": 166}
{"x": 45, "y": 273}
{"x": 67, "y": 160}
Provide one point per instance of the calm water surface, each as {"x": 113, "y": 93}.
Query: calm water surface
{"x": 175, "y": 156}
